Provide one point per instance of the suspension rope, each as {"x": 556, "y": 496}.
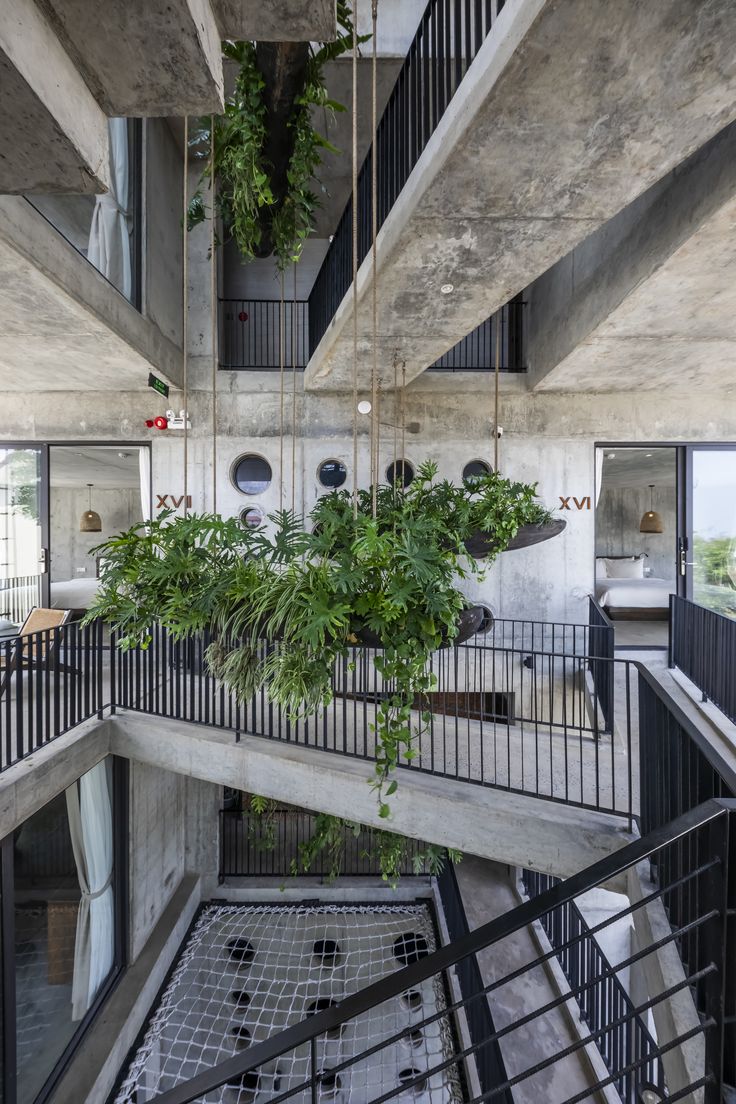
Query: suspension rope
{"x": 213, "y": 295}
{"x": 403, "y": 420}
{"x": 395, "y": 406}
{"x": 282, "y": 342}
{"x": 293, "y": 394}
{"x": 355, "y": 259}
{"x": 374, "y": 293}
{"x": 185, "y": 311}
{"x": 495, "y": 395}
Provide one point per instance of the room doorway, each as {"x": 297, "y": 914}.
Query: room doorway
{"x": 57, "y": 502}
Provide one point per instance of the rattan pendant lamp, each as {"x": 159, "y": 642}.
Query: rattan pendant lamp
{"x": 90, "y": 521}
{"x": 651, "y": 521}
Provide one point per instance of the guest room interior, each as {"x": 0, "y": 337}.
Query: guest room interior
{"x": 636, "y": 541}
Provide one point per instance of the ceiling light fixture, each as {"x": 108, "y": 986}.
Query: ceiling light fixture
{"x": 447, "y": 289}
{"x": 364, "y": 407}
{"x": 651, "y": 521}
{"x": 90, "y": 521}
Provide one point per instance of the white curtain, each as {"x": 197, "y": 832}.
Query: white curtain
{"x": 90, "y": 825}
{"x": 109, "y": 235}
{"x": 598, "y": 474}
{"x": 144, "y": 465}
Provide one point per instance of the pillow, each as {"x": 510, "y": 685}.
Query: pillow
{"x": 600, "y": 568}
{"x": 625, "y": 569}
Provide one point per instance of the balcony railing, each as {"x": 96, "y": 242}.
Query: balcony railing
{"x": 251, "y": 336}
{"x": 449, "y": 36}
{"x": 703, "y": 647}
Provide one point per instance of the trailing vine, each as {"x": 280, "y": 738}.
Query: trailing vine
{"x": 247, "y": 198}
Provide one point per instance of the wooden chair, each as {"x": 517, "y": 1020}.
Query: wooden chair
{"x": 35, "y": 652}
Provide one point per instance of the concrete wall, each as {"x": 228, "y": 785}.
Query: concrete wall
{"x": 162, "y": 233}
{"x": 618, "y": 515}
{"x": 549, "y": 438}
{"x": 118, "y": 508}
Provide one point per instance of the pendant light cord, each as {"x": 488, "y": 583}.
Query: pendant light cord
{"x": 495, "y": 391}
{"x": 213, "y": 293}
{"x": 293, "y": 394}
{"x": 282, "y": 341}
{"x": 355, "y": 260}
{"x": 374, "y": 295}
{"x": 185, "y": 312}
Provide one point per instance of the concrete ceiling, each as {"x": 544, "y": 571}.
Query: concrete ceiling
{"x": 143, "y": 57}
{"x": 572, "y": 110}
{"x": 638, "y": 467}
{"x": 105, "y": 467}
{"x": 53, "y": 135}
{"x": 277, "y": 20}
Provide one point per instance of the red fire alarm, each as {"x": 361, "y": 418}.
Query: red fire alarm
{"x": 243, "y": 316}
{"x": 157, "y": 423}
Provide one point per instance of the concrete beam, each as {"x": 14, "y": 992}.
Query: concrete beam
{"x": 278, "y": 21}
{"x": 54, "y": 340}
{"x": 649, "y": 297}
{"x": 29, "y": 785}
{"x": 53, "y": 135}
{"x": 160, "y": 57}
{"x": 571, "y": 110}
{"x": 494, "y": 824}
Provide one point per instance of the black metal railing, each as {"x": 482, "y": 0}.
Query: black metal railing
{"x": 51, "y": 681}
{"x": 679, "y": 767}
{"x": 253, "y": 332}
{"x": 702, "y": 901}
{"x": 601, "y": 648}
{"x": 626, "y": 1044}
{"x": 476, "y": 352}
{"x": 450, "y": 34}
{"x": 519, "y": 720}
{"x": 489, "y": 1062}
{"x": 268, "y": 846}
{"x": 703, "y": 647}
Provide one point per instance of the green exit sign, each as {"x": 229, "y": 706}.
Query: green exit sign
{"x": 158, "y": 385}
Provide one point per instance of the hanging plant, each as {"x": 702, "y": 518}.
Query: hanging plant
{"x": 267, "y": 150}
{"x": 311, "y": 591}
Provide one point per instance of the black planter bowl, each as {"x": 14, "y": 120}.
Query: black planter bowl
{"x": 468, "y": 624}
{"x": 482, "y": 544}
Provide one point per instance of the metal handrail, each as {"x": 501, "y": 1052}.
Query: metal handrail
{"x": 703, "y": 646}
{"x": 305, "y": 1032}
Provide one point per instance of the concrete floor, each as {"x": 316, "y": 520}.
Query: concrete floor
{"x": 641, "y": 634}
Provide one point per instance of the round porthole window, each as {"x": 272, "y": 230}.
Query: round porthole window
{"x": 401, "y": 472}
{"x": 332, "y": 473}
{"x": 251, "y": 474}
{"x": 251, "y": 517}
{"x": 476, "y": 468}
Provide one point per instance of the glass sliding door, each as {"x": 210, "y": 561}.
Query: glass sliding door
{"x": 712, "y": 562}
{"x": 23, "y": 526}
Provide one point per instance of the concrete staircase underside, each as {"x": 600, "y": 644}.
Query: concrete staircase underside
{"x": 651, "y": 296}
{"x": 571, "y": 110}
{"x": 492, "y": 823}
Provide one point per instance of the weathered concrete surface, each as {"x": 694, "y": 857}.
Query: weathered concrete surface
{"x": 650, "y": 298}
{"x": 568, "y": 113}
{"x": 63, "y": 327}
{"x": 92, "y": 1074}
{"x": 521, "y": 831}
{"x": 30, "y": 784}
{"x": 278, "y": 20}
{"x": 154, "y": 57}
{"x": 53, "y": 135}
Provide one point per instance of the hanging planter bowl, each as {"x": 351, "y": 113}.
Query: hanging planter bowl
{"x": 481, "y": 544}
{"x": 468, "y": 624}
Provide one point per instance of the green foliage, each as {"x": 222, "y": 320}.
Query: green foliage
{"x": 242, "y": 171}
{"x": 312, "y": 591}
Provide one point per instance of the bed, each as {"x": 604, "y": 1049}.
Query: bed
{"x": 74, "y": 594}
{"x": 645, "y": 599}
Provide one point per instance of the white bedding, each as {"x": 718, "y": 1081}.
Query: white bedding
{"x": 74, "y": 593}
{"x": 632, "y": 593}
